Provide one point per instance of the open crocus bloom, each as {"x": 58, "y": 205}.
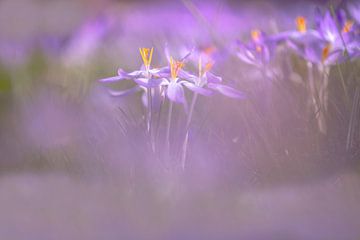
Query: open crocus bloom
{"x": 177, "y": 79}
{"x": 144, "y": 78}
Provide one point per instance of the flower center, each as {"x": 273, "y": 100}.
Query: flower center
{"x": 175, "y": 67}
{"x": 146, "y": 55}
{"x": 325, "y": 52}
{"x": 348, "y": 26}
{"x": 209, "y": 50}
{"x": 301, "y": 24}
{"x": 255, "y": 35}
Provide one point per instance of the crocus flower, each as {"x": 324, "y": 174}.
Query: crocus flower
{"x": 258, "y": 51}
{"x": 177, "y": 79}
{"x": 208, "y": 80}
{"x": 145, "y": 78}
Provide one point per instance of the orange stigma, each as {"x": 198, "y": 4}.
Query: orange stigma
{"x": 258, "y": 49}
{"x": 175, "y": 67}
{"x": 146, "y": 55}
{"x": 325, "y": 52}
{"x": 255, "y": 35}
{"x": 208, "y": 66}
{"x": 348, "y": 26}
{"x": 301, "y": 24}
{"x": 209, "y": 50}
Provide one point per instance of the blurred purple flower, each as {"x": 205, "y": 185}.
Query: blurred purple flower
{"x": 326, "y": 44}
{"x": 87, "y": 39}
{"x": 354, "y": 10}
{"x": 207, "y": 79}
{"x": 258, "y": 51}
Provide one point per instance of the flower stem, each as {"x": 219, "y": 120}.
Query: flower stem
{"x": 168, "y": 126}
{"x": 150, "y": 118}
{"x": 343, "y": 84}
{"x": 187, "y": 128}
{"x": 313, "y": 92}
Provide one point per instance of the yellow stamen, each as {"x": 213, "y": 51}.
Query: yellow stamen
{"x": 255, "y": 35}
{"x": 146, "y": 55}
{"x": 348, "y": 26}
{"x": 175, "y": 67}
{"x": 301, "y": 24}
{"x": 325, "y": 52}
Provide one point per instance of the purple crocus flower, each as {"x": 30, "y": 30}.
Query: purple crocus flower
{"x": 258, "y": 51}
{"x": 203, "y": 59}
{"x": 177, "y": 79}
{"x": 208, "y": 80}
{"x": 144, "y": 78}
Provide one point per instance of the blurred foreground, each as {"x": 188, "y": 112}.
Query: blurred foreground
{"x": 73, "y": 162}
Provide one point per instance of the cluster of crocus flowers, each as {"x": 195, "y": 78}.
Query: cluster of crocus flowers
{"x": 171, "y": 80}
{"x": 330, "y": 40}
{"x": 169, "y": 83}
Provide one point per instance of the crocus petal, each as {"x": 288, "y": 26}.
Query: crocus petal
{"x": 122, "y": 73}
{"x": 186, "y": 76}
{"x": 155, "y": 82}
{"x": 245, "y": 54}
{"x": 197, "y": 89}
{"x": 148, "y": 83}
{"x": 142, "y": 82}
{"x": 163, "y": 72}
{"x": 212, "y": 78}
{"x": 175, "y": 92}
{"x": 125, "y": 92}
{"x": 354, "y": 10}
{"x": 328, "y": 28}
{"x": 112, "y": 79}
{"x": 227, "y": 91}
{"x": 135, "y": 73}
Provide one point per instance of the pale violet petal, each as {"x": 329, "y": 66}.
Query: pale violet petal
{"x": 212, "y": 78}
{"x": 197, "y": 89}
{"x": 112, "y": 79}
{"x": 227, "y": 91}
{"x": 125, "y": 92}
{"x": 175, "y": 92}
